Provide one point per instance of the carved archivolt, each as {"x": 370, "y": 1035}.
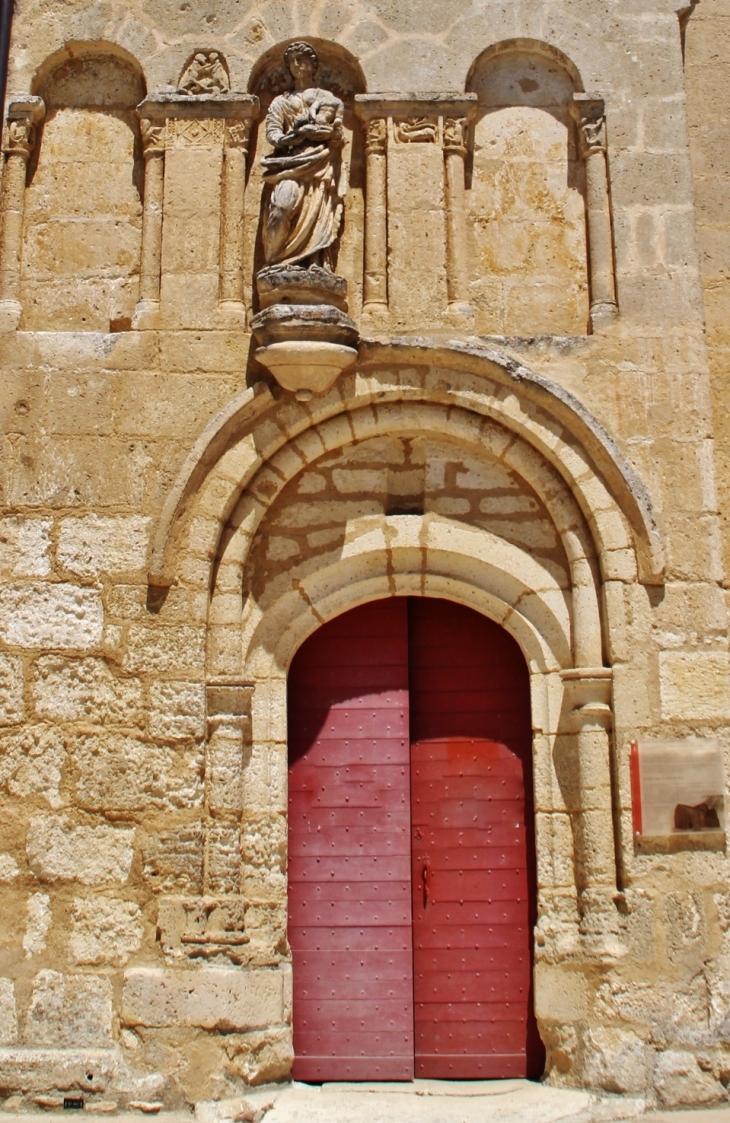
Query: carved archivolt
{"x": 485, "y": 383}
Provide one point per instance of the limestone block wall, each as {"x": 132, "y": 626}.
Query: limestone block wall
{"x": 528, "y": 429}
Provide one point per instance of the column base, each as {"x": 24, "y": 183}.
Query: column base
{"x": 10, "y": 313}
{"x": 146, "y": 315}
{"x": 232, "y": 313}
{"x": 375, "y": 313}
{"x": 603, "y": 312}
{"x": 461, "y": 312}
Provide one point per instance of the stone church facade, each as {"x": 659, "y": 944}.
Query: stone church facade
{"x": 497, "y": 390}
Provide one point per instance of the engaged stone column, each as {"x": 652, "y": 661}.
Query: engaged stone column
{"x": 232, "y": 215}
{"x": 192, "y": 234}
{"x": 153, "y": 147}
{"x": 592, "y": 136}
{"x": 24, "y": 115}
{"x": 589, "y": 719}
{"x": 229, "y": 728}
{"x": 375, "y": 295}
{"x": 456, "y": 131}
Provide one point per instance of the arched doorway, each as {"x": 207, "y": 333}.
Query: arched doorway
{"x": 411, "y": 847}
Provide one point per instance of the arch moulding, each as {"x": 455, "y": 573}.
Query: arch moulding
{"x": 254, "y": 427}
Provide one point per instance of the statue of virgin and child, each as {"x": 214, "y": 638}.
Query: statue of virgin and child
{"x": 305, "y": 209}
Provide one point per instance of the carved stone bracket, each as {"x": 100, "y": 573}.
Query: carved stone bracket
{"x": 590, "y": 113}
{"x": 406, "y": 120}
{"x": 24, "y": 116}
{"x": 171, "y": 121}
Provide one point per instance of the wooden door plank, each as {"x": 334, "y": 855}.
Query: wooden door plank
{"x": 350, "y": 922}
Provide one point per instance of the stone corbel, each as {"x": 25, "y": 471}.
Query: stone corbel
{"x": 588, "y": 717}
{"x": 173, "y": 121}
{"x": 24, "y": 116}
{"x": 406, "y": 120}
{"x": 590, "y": 113}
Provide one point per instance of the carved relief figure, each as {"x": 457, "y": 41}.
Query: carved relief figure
{"x": 205, "y": 74}
{"x": 305, "y": 127}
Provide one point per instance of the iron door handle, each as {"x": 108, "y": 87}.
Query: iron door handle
{"x": 425, "y": 878}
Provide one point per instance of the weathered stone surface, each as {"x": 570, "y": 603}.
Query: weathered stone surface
{"x": 24, "y": 546}
{"x": 85, "y": 690}
{"x": 39, "y": 921}
{"x": 694, "y": 686}
{"x": 115, "y": 772}
{"x": 177, "y": 710}
{"x": 31, "y": 762}
{"x": 678, "y": 1079}
{"x": 173, "y": 860}
{"x": 50, "y": 616}
{"x": 8, "y": 1013}
{"x": 210, "y": 998}
{"x": 38, "y": 1070}
{"x": 619, "y": 1060}
{"x": 91, "y": 546}
{"x": 11, "y": 690}
{"x": 8, "y": 868}
{"x": 104, "y": 930}
{"x": 69, "y": 1011}
{"x": 58, "y": 850}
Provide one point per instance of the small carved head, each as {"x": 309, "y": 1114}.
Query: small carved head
{"x": 300, "y": 56}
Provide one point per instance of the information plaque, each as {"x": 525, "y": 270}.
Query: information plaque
{"x": 678, "y": 790}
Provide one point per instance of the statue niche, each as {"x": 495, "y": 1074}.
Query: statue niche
{"x": 304, "y": 334}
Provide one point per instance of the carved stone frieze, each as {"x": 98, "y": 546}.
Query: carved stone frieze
{"x": 415, "y": 130}
{"x": 203, "y": 928}
{"x": 206, "y": 73}
{"x": 192, "y": 133}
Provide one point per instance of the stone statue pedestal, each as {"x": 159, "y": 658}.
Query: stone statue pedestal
{"x": 305, "y": 336}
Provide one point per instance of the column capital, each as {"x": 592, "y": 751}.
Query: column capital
{"x": 420, "y": 118}
{"x": 153, "y": 137}
{"x": 590, "y": 113}
{"x": 199, "y": 119}
{"x": 376, "y": 134}
{"x": 25, "y": 113}
{"x": 456, "y": 135}
{"x": 588, "y": 696}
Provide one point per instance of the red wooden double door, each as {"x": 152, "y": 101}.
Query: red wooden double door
{"x": 411, "y": 850}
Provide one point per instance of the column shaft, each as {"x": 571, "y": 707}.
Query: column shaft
{"x": 457, "y": 273}
{"x": 13, "y": 195}
{"x": 24, "y": 114}
{"x": 154, "y": 182}
{"x": 376, "y": 217}
{"x": 600, "y": 241}
{"x": 232, "y": 212}
{"x": 601, "y": 270}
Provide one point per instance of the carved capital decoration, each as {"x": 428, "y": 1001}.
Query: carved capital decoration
{"x": 205, "y": 74}
{"x": 415, "y": 130}
{"x": 24, "y": 116}
{"x": 153, "y": 137}
{"x": 456, "y": 132}
{"x": 376, "y": 134}
{"x": 591, "y": 114}
{"x": 238, "y": 133}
